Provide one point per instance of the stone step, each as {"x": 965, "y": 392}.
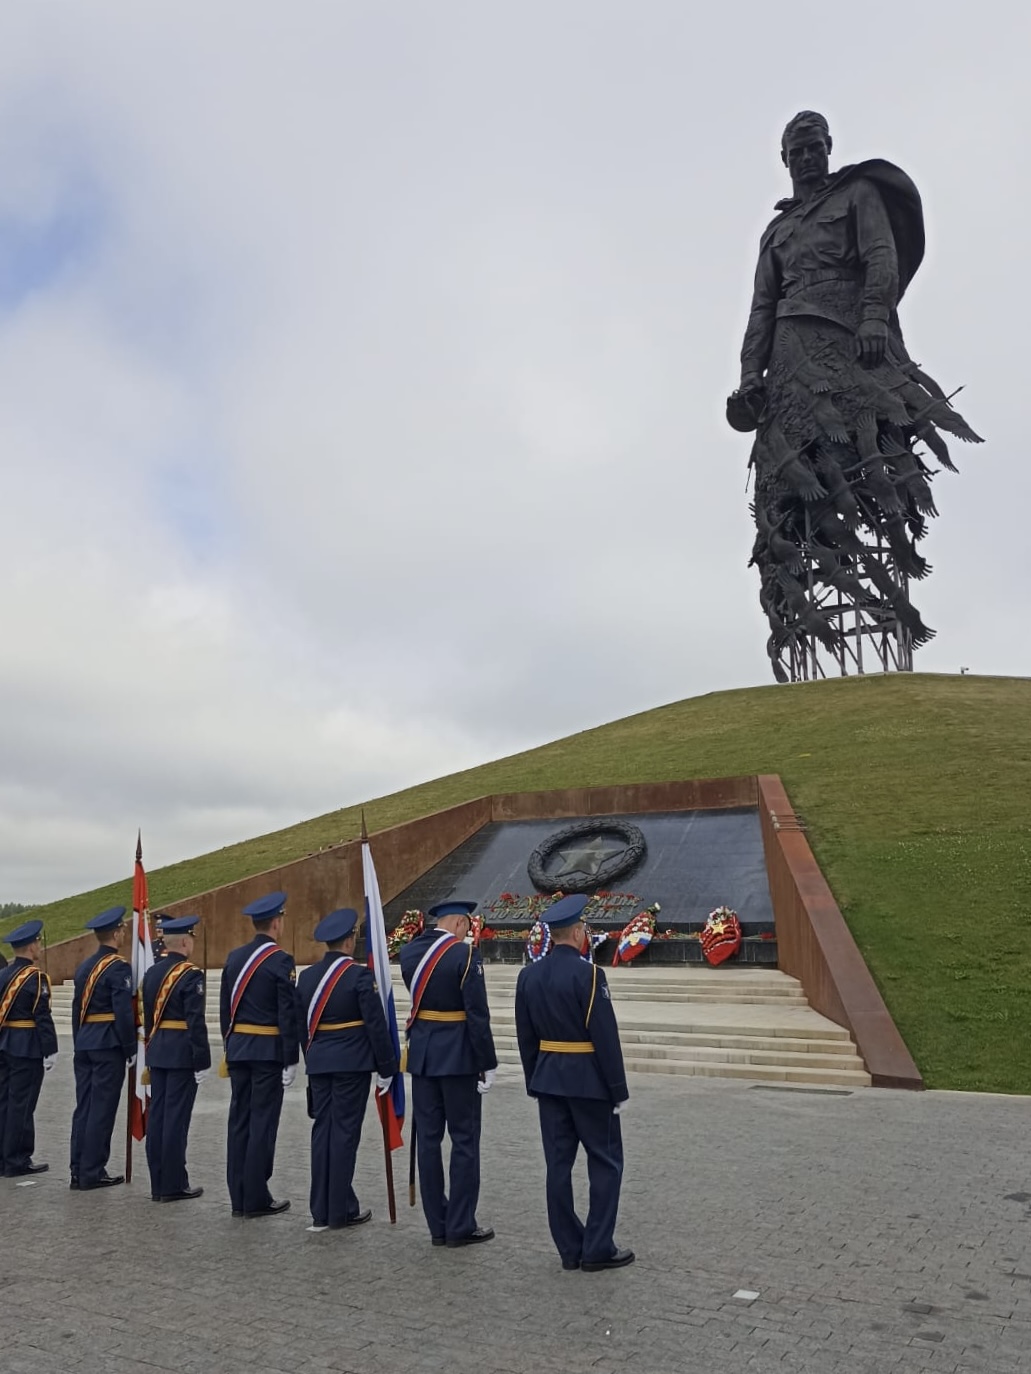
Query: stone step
{"x": 776, "y": 1073}
{"x": 658, "y": 1041}
{"x": 713, "y": 1054}
{"x": 742, "y": 1023}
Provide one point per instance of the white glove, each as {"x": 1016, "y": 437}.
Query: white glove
{"x": 199, "y": 1076}
{"x": 49, "y": 1062}
{"x": 621, "y": 1107}
{"x": 130, "y": 1061}
{"x": 487, "y": 1081}
{"x": 383, "y": 1084}
{"x": 289, "y": 1074}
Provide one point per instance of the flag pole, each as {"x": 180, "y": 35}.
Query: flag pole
{"x": 381, "y": 1098}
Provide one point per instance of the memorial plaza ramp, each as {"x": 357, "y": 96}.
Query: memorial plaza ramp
{"x": 740, "y": 1022}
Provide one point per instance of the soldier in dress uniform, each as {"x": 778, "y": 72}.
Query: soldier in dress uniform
{"x": 261, "y": 1035}
{"x": 178, "y": 1057}
{"x": 452, "y": 1061}
{"x": 104, "y": 1037}
{"x": 346, "y": 1038}
{"x": 569, "y": 1045}
{"x": 28, "y": 1049}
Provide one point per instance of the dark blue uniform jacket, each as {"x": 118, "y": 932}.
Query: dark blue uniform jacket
{"x": 31, "y": 1004}
{"x": 270, "y": 1000}
{"x": 562, "y": 997}
{"x": 176, "y": 1049}
{"x": 359, "y": 1049}
{"x": 439, "y": 1049}
{"x": 112, "y": 995}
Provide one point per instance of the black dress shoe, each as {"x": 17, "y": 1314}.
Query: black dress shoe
{"x": 104, "y": 1181}
{"x": 74, "y": 1184}
{"x": 28, "y": 1169}
{"x": 272, "y": 1210}
{"x": 437, "y": 1240}
{"x": 615, "y": 1261}
{"x": 570, "y": 1264}
{"x": 358, "y": 1220}
{"x": 237, "y": 1214}
{"x": 183, "y": 1196}
{"x": 476, "y": 1237}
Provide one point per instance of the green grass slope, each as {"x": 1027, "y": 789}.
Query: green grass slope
{"x": 917, "y": 795}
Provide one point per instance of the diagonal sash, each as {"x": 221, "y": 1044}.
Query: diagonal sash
{"x": 323, "y": 993}
{"x": 165, "y": 991}
{"x": 14, "y": 987}
{"x": 424, "y": 971}
{"x": 95, "y": 974}
{"x": 251, "y": 966}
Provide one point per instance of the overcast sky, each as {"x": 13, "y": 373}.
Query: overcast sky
{"x": 362, "y": 372}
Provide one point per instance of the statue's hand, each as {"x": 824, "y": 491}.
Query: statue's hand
{"x": 745, "y": 406}
{"x": 871, "y": 342}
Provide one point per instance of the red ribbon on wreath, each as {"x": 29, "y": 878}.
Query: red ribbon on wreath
{"x": 721, "y": 935}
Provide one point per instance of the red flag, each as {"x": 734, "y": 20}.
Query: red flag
{"x": 142, "y": 958}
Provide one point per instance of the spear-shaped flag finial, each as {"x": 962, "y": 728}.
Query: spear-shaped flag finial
{"x": 139, "y": 846}
{"x": 365, "y": 828}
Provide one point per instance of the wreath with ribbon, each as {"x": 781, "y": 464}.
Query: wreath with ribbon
{"x": 721, "y": 935}
{"x": 539, "y": 943}
{"x": 636, "y": 935}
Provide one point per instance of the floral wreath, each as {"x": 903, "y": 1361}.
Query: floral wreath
{"x": 540, "y": 941}
{"x": 409, "y": 926}
{"x": 636, "y": 935}
{"x": 721, "y": 935}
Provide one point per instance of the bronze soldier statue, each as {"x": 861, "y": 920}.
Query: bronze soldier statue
{"x": 838, "y": 407}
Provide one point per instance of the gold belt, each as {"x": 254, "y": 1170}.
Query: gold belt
{"x": 567, "y": 1046}
{"x": 245, "y": 1028}
{"x": 440, "y": 1016}
{"x": 97, "y": 1017}
{"x": 337, "y": 1025}
{"x": 18, "y": 1025}
{"x": 169, "y": 1025}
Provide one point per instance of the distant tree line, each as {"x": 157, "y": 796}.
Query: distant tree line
{"x": 13, "y": 909}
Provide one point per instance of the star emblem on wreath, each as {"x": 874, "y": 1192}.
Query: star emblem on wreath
{"x": 586, "y": 856}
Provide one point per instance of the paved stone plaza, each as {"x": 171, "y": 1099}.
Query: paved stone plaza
{"x": 882, "y": 1232}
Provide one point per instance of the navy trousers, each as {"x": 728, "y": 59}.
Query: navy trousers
{"x": 172, "y": 1094}
{"x": 455, "y": 1104}
{"x": 20, "y": 1081}
{"x": 567, "y": 1123}
{"x": 338, "y": 1101}
{"x": 99, "y": 1075}
{"x": 253, "y": 1126}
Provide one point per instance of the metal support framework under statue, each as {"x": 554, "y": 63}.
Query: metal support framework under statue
{"x": 867, "y": 635}
{"x": 846, "y": 424}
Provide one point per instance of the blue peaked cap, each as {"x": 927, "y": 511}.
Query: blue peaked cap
{"x": 24, "y": 935}
{"x": 107, "y": 920}
{"x": 178, "y": 925}
{"x": 337, "y": 925}
{"x": 566, "y": 911}
{"x": 451, "y": 909}
{"x": 266, "y": 907}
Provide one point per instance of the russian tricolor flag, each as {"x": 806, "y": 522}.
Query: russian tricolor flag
{"x": 376, "y": 943}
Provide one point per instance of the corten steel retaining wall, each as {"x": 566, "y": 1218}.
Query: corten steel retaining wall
{"x": 328, "y": 879}
{"x": 815, "y": 945}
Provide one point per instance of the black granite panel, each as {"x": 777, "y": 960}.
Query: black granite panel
{"x": 696, "y": 860}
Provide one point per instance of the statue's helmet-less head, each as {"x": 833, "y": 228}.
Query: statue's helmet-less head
{"x": 805, "y": 146}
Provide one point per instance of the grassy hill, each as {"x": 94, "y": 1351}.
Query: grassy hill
{"x": 917, "y": 794}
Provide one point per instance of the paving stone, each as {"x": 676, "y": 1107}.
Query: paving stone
{"x": 868, "y": 1251}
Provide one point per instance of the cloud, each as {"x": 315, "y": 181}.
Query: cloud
{"x": 361, "y": 384}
